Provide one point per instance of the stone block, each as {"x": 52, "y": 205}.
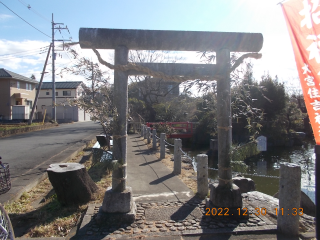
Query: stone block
{"x": 306, "y": 203}
{"x": 117, "y": 202}
{"x": 224, "y": 197}
{"x": 245, "y": 184}
{"x": 120, "y": 218}
{"x": 289, "y": 198}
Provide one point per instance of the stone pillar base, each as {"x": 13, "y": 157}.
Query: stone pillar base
{"x": 117, "y": 202}
{"x": 223, "y": 197}
{"x": 106, "y": 218}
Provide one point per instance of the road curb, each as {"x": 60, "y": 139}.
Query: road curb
{"x": 74, "y": 150}
{"x": 9, "y": 133}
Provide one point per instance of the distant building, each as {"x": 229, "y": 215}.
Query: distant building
{"x": 17, "y": 94}
{"x": 64, "y": 112}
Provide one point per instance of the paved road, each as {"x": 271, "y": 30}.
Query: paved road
{"x": 30, "y": 154}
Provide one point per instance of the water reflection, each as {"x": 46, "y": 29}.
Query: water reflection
{"x": 268, "y": 165}
{"x": 262, "y": 167}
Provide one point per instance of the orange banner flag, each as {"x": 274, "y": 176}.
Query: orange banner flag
{"x": 303, "y": 22}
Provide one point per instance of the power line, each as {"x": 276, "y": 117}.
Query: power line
{"x": 24, "y": 54}
{"x": 31, "y": 50}
{"x": 24, "y": 20}
{"x": 21, "y": 56}
{"x": 34, "y": 11}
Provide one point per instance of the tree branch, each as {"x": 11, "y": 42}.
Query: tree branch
{"x": 243, "y": 57}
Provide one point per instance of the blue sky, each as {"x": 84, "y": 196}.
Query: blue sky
{"x": 263, "y": 16}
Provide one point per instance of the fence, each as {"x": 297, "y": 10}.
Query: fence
{"x": 200, "y": 166}
{"x": 289, "y": 178}
{"x": 134, "y": 126}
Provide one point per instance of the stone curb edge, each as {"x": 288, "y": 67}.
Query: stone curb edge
{"x": 28, "y": 129}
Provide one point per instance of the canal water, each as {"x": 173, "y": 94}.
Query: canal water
{"x": 264, "y": 169}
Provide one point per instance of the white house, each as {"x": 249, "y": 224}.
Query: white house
{"x": 64, "y": 91}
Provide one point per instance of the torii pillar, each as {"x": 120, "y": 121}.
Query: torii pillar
{"x": 224, "y": 194}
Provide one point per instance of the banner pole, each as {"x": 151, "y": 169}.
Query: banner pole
{"x": 317, "y": 175}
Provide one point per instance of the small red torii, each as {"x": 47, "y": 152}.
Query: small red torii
{"x": 186, "y": 128}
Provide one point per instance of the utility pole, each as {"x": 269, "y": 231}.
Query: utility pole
{"x": 39, "y": 88}
{"x": 92, "y": 86}
{"x": 54, "y": 116}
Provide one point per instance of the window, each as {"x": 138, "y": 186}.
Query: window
{"x": 66, "y": 93}
{"x": 18, "y": 85}
{"x": 28, "y": 86}
{"x": 47, "y": 93}
{"x": 29, "y": 103}
{"x": 56, "y": 93}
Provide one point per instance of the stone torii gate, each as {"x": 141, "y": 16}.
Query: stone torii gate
{"x": 224, "y": 194}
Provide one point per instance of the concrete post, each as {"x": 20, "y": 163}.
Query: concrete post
{"x": 119, "y": 175}
{"x": 202, "y": 175}
{"x": 141, "y": 130}
{"x": 214, "y": 144}
{"x": 148, "y": 135}
{"x": 289, "y": 199}
{"x": 154, "y": 139}
{"x": 145, "y": 132}
{"x": 177, "y": 156}
{"x": 162, "y": 145}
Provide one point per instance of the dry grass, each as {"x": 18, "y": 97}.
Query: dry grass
{"x": 39, "y": 214}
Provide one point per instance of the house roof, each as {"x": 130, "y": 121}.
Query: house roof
{"x": 4, "y": 73}
{"x": 60, "y": 85}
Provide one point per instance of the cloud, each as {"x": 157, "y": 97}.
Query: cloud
{"x": 5, "y": 17}
{"x": 28, "y": 57}
{"x": 22, "y": 57}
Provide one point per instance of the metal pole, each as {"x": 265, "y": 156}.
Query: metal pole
{"x": 39, "y": 87}
{"x": 92, "y": 86}
{"x": 317, "y": 152}
{"x": 53, "y": 77}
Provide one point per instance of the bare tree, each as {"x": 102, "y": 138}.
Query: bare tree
{"x": 148, "y": 89}
{"x": 97, "y": 94}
